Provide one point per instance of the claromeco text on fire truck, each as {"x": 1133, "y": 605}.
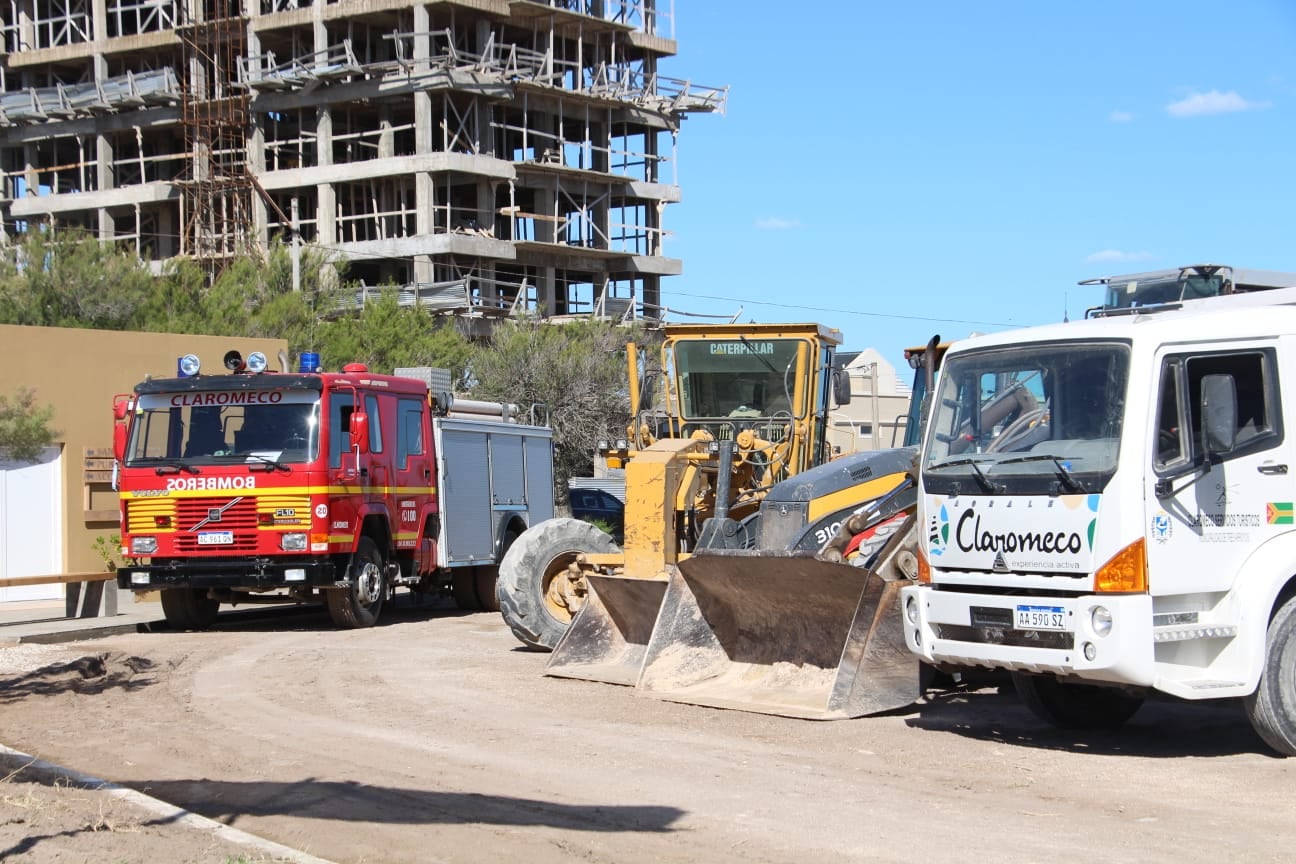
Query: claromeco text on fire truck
{"x": 264, "y": 487}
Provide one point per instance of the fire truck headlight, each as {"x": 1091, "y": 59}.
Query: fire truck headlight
{"x": 256, "y": 362}
{"x": 293, "y": 542}
{"x": 143, "y": 545}
{"x": 188, "y": 365}
{"x": 139, "y": 577}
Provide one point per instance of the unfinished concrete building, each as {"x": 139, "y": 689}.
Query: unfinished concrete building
{"x": 484, "y": 155}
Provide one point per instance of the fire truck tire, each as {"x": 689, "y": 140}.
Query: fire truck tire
{"x": 360, "y": 604}
{"x": 1272, "y": 707}
{"x": 463, "y": 585}
{"x": 540, "y": 554}
{"x": 487, "y": 577}
{"x": 189, "y": 608}
{"x": 1076, "y": 706}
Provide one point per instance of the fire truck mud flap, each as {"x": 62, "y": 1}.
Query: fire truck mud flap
{"x": 608, "y": 638}
{"x": 784, "y": 633}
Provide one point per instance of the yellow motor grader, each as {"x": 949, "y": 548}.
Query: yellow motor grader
{"x": 741, "y": 407}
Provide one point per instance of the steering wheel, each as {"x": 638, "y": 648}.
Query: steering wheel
{"x": 1018, "y": 429}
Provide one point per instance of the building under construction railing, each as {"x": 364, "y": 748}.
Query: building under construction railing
{"x": 521, "y": 149}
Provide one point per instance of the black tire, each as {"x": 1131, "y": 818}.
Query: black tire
{"x": 487, "y": 576}
{"x": 1272, "y": 707}
{"x": 1076, "y": 706}
{"x": 360, "y": 604}
{"x": 189, "y": 608}
{"x": 530, "y": 564}
{"x": 463, "y": 585}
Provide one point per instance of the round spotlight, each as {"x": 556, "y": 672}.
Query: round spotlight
{"x": 188, "y": 365}
{"x": 256, "y": 362}
{"x": 233, "y": 361}
{"x": 911, "y": 609}
{"x": 1090, "y": 651}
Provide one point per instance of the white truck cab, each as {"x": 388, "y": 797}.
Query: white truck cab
{"x": 1107, "y": 508}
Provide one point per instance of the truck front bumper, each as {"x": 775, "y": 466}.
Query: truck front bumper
{"x": 1102, "y": 637}
{"x": 258, "y": 574}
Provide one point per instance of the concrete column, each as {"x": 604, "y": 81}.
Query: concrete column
{"x": 31, "y": 161}
{"x": 99, "y": 28}
{"x": 168, "y": 227}
{"x": 326, "y": 214}
{"x": 257, "y": 167}
{"x": 386, "y": 137}
{"x": 546, "y": 294}
{"x": 324, "y": 135}
{"x": 104, "y": 180}
{"x": 27, "y": 25}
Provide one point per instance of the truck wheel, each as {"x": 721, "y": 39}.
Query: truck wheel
{"x": 463, "y": 585}
{"x": 1271, "y": 707}
{"x": 189, "y": 608}
{"x": 359, "y": 604}
{"x": 487, "y": 576}
{"x": 538, "y": 556}
{"x": 1076, "y": 706}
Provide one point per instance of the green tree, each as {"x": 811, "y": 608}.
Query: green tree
{"x": 573, "y": 373}
{"x": 69, "y": 279}
{"x": 385, "y": 335}
{"x": 25, "y": 426}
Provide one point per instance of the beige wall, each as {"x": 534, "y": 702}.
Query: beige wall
{"x": 78, "y": 372}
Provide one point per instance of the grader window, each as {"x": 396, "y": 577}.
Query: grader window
{"x": 723, "y": 378}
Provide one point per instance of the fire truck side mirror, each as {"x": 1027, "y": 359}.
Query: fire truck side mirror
{"x": 360, "y": 431}
{"x": 121, "y": 411}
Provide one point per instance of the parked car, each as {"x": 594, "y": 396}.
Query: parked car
{"x": 596, "y": 505}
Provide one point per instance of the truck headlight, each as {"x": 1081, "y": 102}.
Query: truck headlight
{"x": 143, "y": 545}
{"x": 911, "y": 609}
{"x": 293, "y": 542}
{"x": 1101, "y": 619}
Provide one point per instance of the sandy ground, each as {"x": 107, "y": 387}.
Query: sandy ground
{"x": 432, "y": 737}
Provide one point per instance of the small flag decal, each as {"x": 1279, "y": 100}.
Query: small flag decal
{"x": 1279, "y": 513}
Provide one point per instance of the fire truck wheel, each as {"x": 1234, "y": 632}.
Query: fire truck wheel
{"x": 1272, "y": 707}
{"x": 538, "y": 591}
{"x": 189, "y": 608}
{"x": 359, "y": 605}
{"x": 487, "y": 577}
{"x": 463, "y": 585}
{"x": 1076, "y": 706}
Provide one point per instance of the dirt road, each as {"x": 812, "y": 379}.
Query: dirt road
{"x": 432, "y": 737}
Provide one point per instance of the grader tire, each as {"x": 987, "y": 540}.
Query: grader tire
{"x": 538, "y": 554}
{"x": 1272, "y": 707}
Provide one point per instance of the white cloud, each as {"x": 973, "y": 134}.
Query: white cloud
{"x": 1214, "y": 102}
{"x": 1116, "y": 256}
{"x": 1120, "y": 116}
{"x": 774, "y": 223}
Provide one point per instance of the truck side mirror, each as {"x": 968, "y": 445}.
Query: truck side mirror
{"x": 1219, "y": 413}
{"x": 841, "y": 387}
{"x": 121, "y": 413}
{"x": 360, "y": 431}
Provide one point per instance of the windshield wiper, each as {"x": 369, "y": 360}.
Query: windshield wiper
{"x": 270, "y": 463}
{"x": 175, "y": 466}
{"x": 1064, "y": 475}
{"x": 987, "y": 484}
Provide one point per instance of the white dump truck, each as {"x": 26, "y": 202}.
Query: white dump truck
{"x": 1107, "y": 509}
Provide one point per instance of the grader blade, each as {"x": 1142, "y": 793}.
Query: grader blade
{"x": 781, "y": 633}
{"x": 608, "y": 638}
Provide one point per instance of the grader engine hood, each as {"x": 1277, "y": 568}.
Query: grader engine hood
{"x": 1011, "y": 533}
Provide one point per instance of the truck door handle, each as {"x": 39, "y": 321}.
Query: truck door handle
{"x": 1272, "y": 469}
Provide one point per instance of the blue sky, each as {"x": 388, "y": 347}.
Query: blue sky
{"x": 897, "y": 170}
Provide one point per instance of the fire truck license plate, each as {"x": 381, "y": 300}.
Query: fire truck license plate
{"x": 216, "y": 538}
{"x": 1041, "y": 618}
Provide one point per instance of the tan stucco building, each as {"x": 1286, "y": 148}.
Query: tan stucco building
{"x": 53, "y": 512}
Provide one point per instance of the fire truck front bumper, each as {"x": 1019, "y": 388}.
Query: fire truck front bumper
{"x": 256, "y": 574}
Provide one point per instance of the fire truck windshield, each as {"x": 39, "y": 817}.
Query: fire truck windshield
{"x": 217, "y": 428}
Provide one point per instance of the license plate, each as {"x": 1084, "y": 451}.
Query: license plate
{"x": 1041, "y": 618}
{"x": 215, "y": 538}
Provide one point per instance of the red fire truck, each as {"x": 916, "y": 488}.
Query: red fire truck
{"x": 269, "y": 487}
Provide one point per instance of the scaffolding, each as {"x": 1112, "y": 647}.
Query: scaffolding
{"x": 216, "y": 203}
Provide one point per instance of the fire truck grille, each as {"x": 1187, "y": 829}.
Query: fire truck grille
{"x": 195, "y": 516}
{"x": 143, "y": 515}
